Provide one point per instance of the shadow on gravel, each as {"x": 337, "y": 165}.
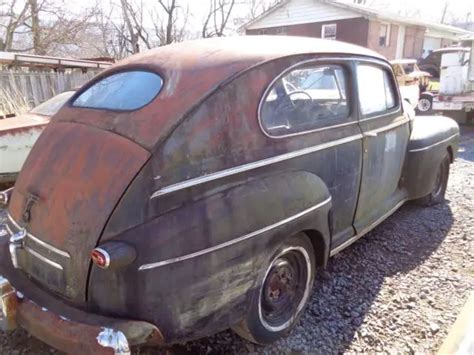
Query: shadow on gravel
{"x": 467, "y": 133}
{"x": 343, "y": 294}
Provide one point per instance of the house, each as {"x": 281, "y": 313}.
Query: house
{"x": 393, "y": 36}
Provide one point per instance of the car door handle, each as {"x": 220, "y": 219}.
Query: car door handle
{"x": 370, "y": 134}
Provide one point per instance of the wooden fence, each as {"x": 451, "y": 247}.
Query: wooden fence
{"x": 20, "y": 91}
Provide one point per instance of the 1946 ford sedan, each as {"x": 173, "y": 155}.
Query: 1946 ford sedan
{"x": 198, "y": 186}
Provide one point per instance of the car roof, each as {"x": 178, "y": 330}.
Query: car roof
{"x": 451, "y": 49}
{"x": 403, "y": 61}
{"x": 249, "y": 49}
{"x": 191, "y": 72}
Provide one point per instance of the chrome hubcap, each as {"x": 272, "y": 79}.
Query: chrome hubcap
{"x": 424, "y": 105}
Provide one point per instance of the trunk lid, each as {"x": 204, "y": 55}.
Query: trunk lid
{"x": 65, "y": 193}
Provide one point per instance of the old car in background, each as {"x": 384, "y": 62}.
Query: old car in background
{"x": 456, "y": 92}
{"x": 198, "y": 186}
{"x": 412, "y": 82}
{"x": 18, "y": 134}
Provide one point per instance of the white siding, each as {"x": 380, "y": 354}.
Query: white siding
{"x": 302, "y": 11}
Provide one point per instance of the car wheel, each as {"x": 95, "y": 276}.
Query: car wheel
{"x": 281, "y": 297}
{"x": 425, "y": 103}
{"x": 437, "y": 194}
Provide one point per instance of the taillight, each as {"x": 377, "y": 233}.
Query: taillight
{"x": 5, "y": 196}
{"x": 113, "y": 255}
{"x": 100, "y": 258}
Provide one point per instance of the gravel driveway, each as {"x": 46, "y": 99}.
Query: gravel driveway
{"x": 399, "y": 289}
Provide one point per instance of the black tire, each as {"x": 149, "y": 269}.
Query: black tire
{"x": 282, "y": 294}
{"x": 436, "y": 196}
{"x": 425, "y": 104}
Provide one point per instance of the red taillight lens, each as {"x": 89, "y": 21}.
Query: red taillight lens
{"x": 113, "y": 255}
{"x": 100, "y": 258}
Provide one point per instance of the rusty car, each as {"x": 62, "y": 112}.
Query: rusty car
{"x": 198, "y": 186}
{"x": 412, "y": 83}
{"x": 18, "y": 134}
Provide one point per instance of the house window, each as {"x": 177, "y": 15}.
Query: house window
{"x": 282, "y": 31}
{"x": 329, "y": 31}
{"x": 384, "y": 36}
{"x": 263, "y": 31}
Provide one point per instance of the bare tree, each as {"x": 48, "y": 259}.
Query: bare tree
{"x": 11, "y": 22}
{"x": 35, "y": 26}
{"x": 445, "y": 10}
{"x": 217, "y": 18}
{"x": 127, "y": 13}
{"x": 171, "y": 27}
{"x": 258, "y": 7}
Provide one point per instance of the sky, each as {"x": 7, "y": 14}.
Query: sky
{"x": 430, "y": 10}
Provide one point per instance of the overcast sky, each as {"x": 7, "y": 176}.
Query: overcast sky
{"x": 430, "y": 10}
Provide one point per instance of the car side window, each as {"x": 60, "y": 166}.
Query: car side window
{"x": 376, "y": 89}
{"x": 306, "y": 98}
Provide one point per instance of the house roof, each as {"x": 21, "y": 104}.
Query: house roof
{"x": 370, "y": 13}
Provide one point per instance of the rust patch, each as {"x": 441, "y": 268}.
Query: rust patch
{"x": 61, "y": 333}
{"x": 8, "y": 305}
{"x": 77, "y": 174}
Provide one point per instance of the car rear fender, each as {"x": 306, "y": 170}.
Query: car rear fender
{"x": 215, "y": 246}
{"x": 432, "y": 137}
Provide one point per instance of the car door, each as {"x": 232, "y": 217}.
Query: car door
{"x": 312, "y": 106}
{"x": 386, "y": 132}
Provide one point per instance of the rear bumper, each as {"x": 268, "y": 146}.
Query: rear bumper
{"x": 100, "y": 336}
{"x": 62, "y": 326}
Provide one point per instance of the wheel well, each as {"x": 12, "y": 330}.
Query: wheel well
{"x": 450, "y": 152}
{"x": 317, "y": 241}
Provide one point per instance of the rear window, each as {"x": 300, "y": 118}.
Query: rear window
{"x": 125, "y": 91}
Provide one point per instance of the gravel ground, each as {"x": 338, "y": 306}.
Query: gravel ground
{"x": 397, "y": 290}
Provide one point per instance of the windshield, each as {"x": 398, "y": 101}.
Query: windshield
{"x": 123, "y": 91}
{"x": 318, "y": 80}
{"x": 409, "y": 67}
{"x": 51, "y": 106}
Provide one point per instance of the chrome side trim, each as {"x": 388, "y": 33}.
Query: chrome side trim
{"x": 389, "y": 127}
{"x": 435, "y": 144}
{"x": 43, "y": 258}
{"x": 367, "y": 229}
{"x": 382, "y": 114}
{"x": 233, "y": 241}
{"x": 250, "y": 166}
{"x": 40, "y": 242}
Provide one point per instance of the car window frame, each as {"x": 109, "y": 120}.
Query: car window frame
{"x": 393, "y": 80}
{"x": 107, "y": 74}
{"x": 351, "y": 118}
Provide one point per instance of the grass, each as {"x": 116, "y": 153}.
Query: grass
{"x": 12, "y": 102}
